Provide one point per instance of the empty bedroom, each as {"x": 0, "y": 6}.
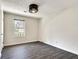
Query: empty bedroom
{"x": 38, "y": 29}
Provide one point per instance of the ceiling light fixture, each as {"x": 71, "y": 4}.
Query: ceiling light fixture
{"x": 33, "y": 8}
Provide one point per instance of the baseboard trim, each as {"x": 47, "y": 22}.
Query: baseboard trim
{"x": 59, "y": 48}
{"x": 20, "y": 43}
{"x": 41, "y": 42}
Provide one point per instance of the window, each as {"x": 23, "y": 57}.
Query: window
{"x": 19, "y": 27}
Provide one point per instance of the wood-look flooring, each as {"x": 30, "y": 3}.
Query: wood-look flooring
{"x": 36, "y": 50}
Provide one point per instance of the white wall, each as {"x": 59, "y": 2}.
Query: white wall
{"x": 59, "y": 24}
{"x": 31, "y": 29}
{"x": 1, "y": 28}
{"x": 61, "y": 31}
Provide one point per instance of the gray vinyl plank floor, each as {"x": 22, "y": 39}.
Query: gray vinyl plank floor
{"x": 35, "y": 50}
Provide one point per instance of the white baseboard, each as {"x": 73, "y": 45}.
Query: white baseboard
{"x": 60, "y": 48}
{"x": 45, "y": 43}
{"x": 19, "y": 43}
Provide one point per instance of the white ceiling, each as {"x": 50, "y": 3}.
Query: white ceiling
{"x": 46, "y": 7}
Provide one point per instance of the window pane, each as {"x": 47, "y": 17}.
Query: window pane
{"x": 19, "y": 28}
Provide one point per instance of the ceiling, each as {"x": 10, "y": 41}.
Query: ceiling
{"x": 46, "y": 7}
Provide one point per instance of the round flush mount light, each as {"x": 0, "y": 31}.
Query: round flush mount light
{"x": 33, "y": 8}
